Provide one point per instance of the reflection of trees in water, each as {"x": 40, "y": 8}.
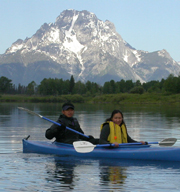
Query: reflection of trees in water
{"x": 5, "y": 109}
{"x": 5, "y": 112}
{"x": 12, "y": 116}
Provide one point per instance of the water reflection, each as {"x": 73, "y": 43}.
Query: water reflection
{"x": 72, "y": 173}
{"x": 34, "y": 172}
{"x": 62, "y": 172}
{"x": 113, "y": 174}
{"x": 139, "y": 163}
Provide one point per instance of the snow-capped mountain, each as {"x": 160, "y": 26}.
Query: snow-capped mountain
{"x": 80, "y": 44}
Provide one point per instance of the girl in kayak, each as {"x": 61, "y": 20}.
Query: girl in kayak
{"x": 114, "y": 130}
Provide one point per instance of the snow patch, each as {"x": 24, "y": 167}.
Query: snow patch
{"x": 126, "y": 57}
{"x": 15, "y": 48}
{"x": 72, "y": 44}
{"x": 137, "y": 55}
{"x": 53, "y": 36}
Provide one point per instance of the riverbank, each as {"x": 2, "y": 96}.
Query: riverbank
{"x": 146, "y": 98}
{"x": 123, "y": 98}
{"x": 42, "y": 99}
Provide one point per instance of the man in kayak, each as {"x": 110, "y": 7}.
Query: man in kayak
{"x": 114, "y": 130}
{"x": 64, "y": 135}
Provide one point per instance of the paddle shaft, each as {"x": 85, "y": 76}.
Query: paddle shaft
{"x": 42, "y": 117}
{"x": 135, "y": 143}
{"x": 66, "y": 127}
{"x": 165, "y": 142}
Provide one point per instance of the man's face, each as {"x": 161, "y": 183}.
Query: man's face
{"x": 68, "y": 113}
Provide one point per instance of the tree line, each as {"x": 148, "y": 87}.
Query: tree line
{"x": 57, "y": 87}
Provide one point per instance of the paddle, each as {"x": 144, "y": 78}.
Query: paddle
{"x": 33, "y": 113}
{"x": 86, "y": 147}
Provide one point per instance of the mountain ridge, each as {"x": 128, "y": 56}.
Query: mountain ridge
{"x": 80, "y": 44}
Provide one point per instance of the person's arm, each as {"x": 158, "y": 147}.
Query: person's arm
{"x": 54, "y": 130}
{"x": 78, "y": 128}
{"x": 130, "y": 140}
{"x": 104, "y": 134}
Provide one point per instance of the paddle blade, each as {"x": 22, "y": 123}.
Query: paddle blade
{"x": 31, "y": 112}
{"x": 83, "y": 146}
{"x": 168, "y": 142}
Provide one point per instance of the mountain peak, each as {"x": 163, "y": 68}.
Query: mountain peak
{"x": 80, "y": 44}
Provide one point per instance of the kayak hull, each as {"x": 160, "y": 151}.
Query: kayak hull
{"x": 142, "y": 152}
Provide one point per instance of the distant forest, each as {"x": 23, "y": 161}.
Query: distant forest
{"x": 56, "y": 87}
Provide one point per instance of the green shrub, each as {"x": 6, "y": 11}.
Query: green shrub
{"x": 138, "y": 90}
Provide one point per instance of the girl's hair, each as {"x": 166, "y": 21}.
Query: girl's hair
{"x": 113, "y": 113}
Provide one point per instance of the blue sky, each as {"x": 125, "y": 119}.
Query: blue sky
{"x": 148, "y": 25}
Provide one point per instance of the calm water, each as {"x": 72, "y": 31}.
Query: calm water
{"x": 36, "y": 172}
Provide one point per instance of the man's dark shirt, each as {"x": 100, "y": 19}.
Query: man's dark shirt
{"x": 62, "y": 134}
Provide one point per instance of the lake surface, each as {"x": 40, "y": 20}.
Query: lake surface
{"x": 44, "y": 173}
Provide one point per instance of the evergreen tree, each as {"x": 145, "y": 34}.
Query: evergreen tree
{"x": 71, "y": 84}
{"x": 106, "y": 88}
{"x": 112, "y": 86}
{"x": 80, "y": 88}
{"x": 172, "y": 84}
{"x": 5, "y": 84}
{"x": 31, "y": 88}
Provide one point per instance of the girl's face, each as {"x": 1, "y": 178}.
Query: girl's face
{"x": 117, "y": 118}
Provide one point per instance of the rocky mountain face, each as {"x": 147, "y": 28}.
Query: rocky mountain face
{"x": 80, "y": 44}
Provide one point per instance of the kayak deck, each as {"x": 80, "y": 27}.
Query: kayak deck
{"x": 141, "y": 152}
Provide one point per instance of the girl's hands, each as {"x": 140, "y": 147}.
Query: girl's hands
{"x": 116, "y": 144}
{"x": 144, "y": 142}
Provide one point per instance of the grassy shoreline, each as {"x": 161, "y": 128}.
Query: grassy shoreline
{"x": 147, "y": 98}
{"x": 123, "y": 98}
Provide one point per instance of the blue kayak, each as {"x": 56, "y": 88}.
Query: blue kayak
{"x": 140, "y": 152}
